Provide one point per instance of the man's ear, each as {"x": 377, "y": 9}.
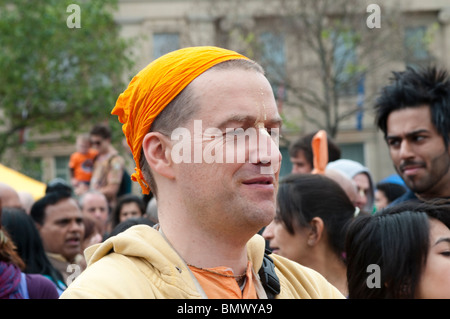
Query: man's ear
{"x": 157, "y": 151}
{"x": 316, "y": 231}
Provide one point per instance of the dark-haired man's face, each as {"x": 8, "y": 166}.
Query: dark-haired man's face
{"x": 418, "y": 152}
{"x": 63, "y": 228}
{"x": 300, "y": 164}
{"x": 99, "y": 143}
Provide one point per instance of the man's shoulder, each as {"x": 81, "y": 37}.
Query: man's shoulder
{"x": 116, "y": 160}
{"x": 298, "y": 281}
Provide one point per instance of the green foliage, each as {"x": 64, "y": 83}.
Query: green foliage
{"x": 54, "y": 77}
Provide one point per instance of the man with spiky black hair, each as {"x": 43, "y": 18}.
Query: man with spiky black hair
{"x": 413, "y": 112}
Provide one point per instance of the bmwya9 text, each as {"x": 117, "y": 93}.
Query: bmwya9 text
{"x": 226, "y": 308}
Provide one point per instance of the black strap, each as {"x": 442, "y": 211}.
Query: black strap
{"x": 268, "y": 277}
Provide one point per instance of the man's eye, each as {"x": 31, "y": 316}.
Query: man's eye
{"x": 419, "y": 138}
{"x": 393, "y": 142}
{"x": 234, "y": 132}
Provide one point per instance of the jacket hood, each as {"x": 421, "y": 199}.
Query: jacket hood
{"x": 351, "y": 168}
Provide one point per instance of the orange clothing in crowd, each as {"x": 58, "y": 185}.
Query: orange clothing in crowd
{"x": 218, "y": 286}
{"x": 82, "y": 165}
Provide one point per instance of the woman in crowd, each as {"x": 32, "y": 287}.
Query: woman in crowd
{"x": 14, "y": 282}
{"x": 403, "y": 252}
{"x": 128, "y": 206}
{"x": 309, "y": 226}
{"x": 30, "y": 249}
{"x": 386, "y": 193}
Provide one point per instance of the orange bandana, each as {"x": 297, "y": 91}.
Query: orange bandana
{"x": 155, "y": 86}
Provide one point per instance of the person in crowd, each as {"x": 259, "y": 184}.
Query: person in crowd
{"x": 128, "y": 206}
{"x": 413, "y": 112}
{"x": 386, "y": 193}
{"x": 108, "y": 166}
{"x": 81, "y": 163}
{"x": 58, "y": 184}
{"x": 14, "y": 283}
{"x": 30, "y": 248}
{"x": 363, "y": 180}
{"x": 402, "y": 252}
{"x": 92, "y": 232}
{"x": 302, "y": 157}
{"x": 9, "y": 196}
{"x": 151, "y": 210}
{"x": 59, "y": 221}
{"x": 309, "y": 227}
{"x": 95, "y": 204}
{"x": 346, "y": 183}
{"x": 205, "y": 245}
{"x": 122, "y": 226}
{"x": 26, "y": 199}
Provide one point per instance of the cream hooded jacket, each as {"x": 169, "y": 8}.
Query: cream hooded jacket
{"x": 140, "y": 263}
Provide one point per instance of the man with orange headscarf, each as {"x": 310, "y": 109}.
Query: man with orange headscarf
{"x": 203, "y": 98}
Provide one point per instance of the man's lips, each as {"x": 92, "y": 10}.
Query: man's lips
{"x": 260, "y": 182}
{"x": 411, "y": 169}
{"x": 73, "y": 241}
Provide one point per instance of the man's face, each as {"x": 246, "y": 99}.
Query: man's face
{"x": 381, "y": 201}
{"x": 129, "y": 210}
{"x": 363, "y": 189}
{"x": 63, "y": 229}
{"x": 418, "y": 152}
{"x": 232, "y": 195}
{"x": 99, "y": 143}
{"x": 300, "y": 164}
{"x": 96, "y": 205}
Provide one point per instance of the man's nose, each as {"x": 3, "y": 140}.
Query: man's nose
{"x": 76, "y": 225}
{"x": 97, "y": 212}
{"x": 406, "y": 150}
{"x": 268, "y": 152}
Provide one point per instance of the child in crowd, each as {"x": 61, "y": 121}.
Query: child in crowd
{"x": 81, "y": 163}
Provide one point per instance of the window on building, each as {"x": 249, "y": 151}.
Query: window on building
{"x": 416, "y": 48}
{"x": 32, "y": 167}
{"x": 62, "y": 167}
{"x": 273, "y": 59}
{"x": 345, "y": 65}
{"x": 165, "y": 42}
{"x": 353, "y": 151}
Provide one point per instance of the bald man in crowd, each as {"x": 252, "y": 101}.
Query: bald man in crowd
{"x": 9, "y": 197}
